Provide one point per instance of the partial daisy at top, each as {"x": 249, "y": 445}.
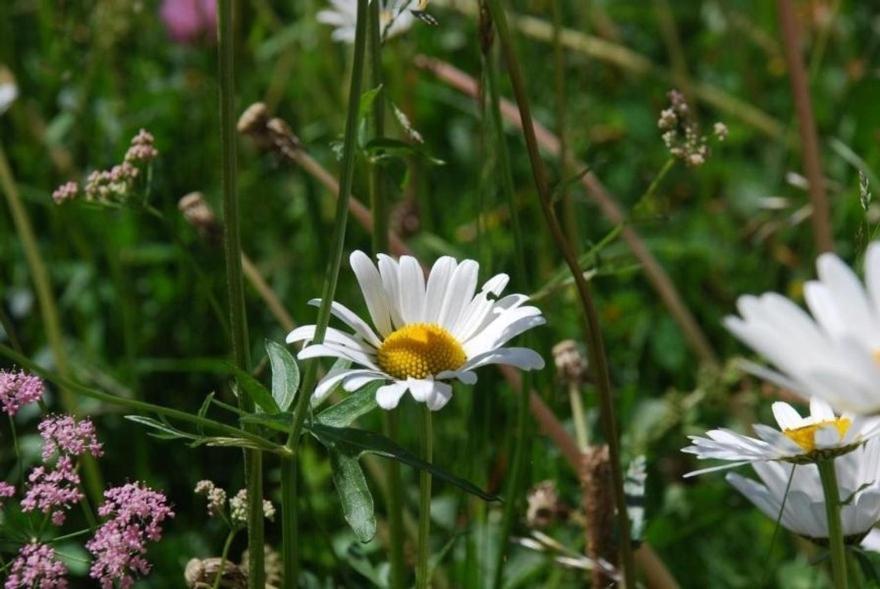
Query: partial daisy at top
{"x": 803, "y": 509}
{"x": 799, "y": 440}
{"x": 834, "y": 351}
{"x": 427, "y": 332}
{"x": 395, "y": 17}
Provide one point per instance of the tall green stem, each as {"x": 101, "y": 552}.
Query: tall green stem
{"x": 521, "y": 438}
{"x": 592, "y": 333}
{"x": 48, "y": 308}
{"x": 835, "y": 530}
{"x": 379, "y": 206}
{"x": 289, "y": 489}
{"x": 253, "y": 460}
{"x": 224, "y": 557}
{"x": 422, "y": 573}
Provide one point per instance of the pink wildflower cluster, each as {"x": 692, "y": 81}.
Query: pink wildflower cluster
{"x": 116, "y": 183}
{"x": 53, "y": 490}
{"x": 136, "y": 514}
{"x": 189, "y": 20}
{"x": 18, "y": 389}
{"x": 67, "y": 436}
{"x": 6, "y": 491}
{"x": 65, "y": 192}
{"x": 681, "y": 135}
{"x": 36, "y": 567}
{"x": 56, "y": 489}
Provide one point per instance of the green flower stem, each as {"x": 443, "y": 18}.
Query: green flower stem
{"x": 592, "y": 333}
{"x": 379, "y": 206}
{"x": 337, "y": 241}
{"x": 253, "y": 460}
{"x": 48, "y": 308}
{"x": 835, "y": 530}
{"x": 224, "y": 556}
{"x": 577, "y": 415}
{"x": 141, "y": 407}
{"x": 522, "y": 437}
{"x": 422, "y": 573}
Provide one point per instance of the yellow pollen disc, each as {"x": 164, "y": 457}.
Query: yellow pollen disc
{"x": 805, "y": 436}
{"x": 420, "y": 350}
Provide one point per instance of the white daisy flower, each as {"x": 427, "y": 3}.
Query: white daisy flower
{"x": 858, "y": 478}
{"x": 426, "y": 332}
{"x": 395, "y": 17}
{"x": 833, "y": 354}
{"x": 798, "y": 440}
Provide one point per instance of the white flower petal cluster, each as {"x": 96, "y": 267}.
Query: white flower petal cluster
{"x": 427, "y": 330}
{"x": 858, "y": 478}
{"x": 798, "y": 439}
{"x": 395, "y": 18}
{"x": 834, "y": 351}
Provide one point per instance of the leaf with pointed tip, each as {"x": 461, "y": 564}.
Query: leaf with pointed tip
{"x": 354, "y": 494}
{"x": 285, "y": 374}
{"x": 259, "y": 394}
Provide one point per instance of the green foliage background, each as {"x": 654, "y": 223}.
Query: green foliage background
{"x": 92, "y": 73}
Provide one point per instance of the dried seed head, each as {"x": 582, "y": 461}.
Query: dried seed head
{"x": 201, "y": 573}
{"x": 543, "y": 505}
{"x": 253, "y": 120}
{"x": 571, "y": 364}
{"x": 198, "y": 213}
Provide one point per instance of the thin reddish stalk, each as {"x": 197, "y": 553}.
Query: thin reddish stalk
{"x": 800, "y": 90}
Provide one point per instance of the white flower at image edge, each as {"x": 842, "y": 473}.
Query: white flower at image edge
{"x": 342, "y": 16}
{"x": 822, "y": 434}
{"x": 834, "y": 353}
{"x": 858, "y": 478}
{"x": 8, "y": 94}
{"x": 426, "y": 332}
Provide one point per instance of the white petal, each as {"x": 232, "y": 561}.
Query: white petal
{"x": 374, "y": 293}
{"x": 420, "y": 389}
{"x": 522, "y": 358}
{"x": 464, "y": 376}
{"x": 388, "y": 270}
{"x": 388, "y": 396}
{"x": 438, "y": 284}
{"x": 349, "y": 317}
{"x": 459, "y": 293}
{"x": 412, "y": 290}
{"x": 786, "y": 416}
{"x": 307, "y": 333}
{"x": 440, "y": 394}
{"x": 328, "y": 350}
{"x": 332, "y": 378}
{"x": 820, "y": 410}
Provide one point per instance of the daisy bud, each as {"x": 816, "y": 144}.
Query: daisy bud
{"x": 202, "y": 572}
{"x": 253, "y": 120}
{"x": 198, "y": 213}
{"x": 543, "y": 505}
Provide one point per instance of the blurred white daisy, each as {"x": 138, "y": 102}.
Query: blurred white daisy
{"x": 8, "y": 89}
{"x": 425, "y": 332}
{"x": 395, "y": 17}
{"x": 833, "y": 354}
{"x": 858, "y": 478}
{"x": 798, "y": 440}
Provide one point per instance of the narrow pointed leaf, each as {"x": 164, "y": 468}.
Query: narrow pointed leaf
{"x": 354, "y": 494}
{"x": 351, "y": 407}
{"x": 253, "y": 389}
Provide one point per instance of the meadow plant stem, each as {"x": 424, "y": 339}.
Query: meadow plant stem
{"x": 592, "y": 335}
{"x": 48, "y": 309}
{"x": 337, "y": 244}
{"x": 828, "y": 475}
{"x": 577, "y": 415}
{"x": 379, "y": 210}
{"x": 800, "y": 90}
{"x": 253, "y": 460}
{"x": 223, "y": 557}
{"x": 521, "y": 436}
{"x": 422, "y": 572}
{"x": 570, "y": 212}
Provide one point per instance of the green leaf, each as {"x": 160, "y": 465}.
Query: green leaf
{"x": 163, "y": 430}
{"x": 203, "y": 411}
{"x": 285, "y": 374}
{"x": 367, "y": 100}
{"x": 354, "y": 494}
{"x": 351, "y": 440}
{"x": 256, "y": 391}
{"x": 353, "y": 406}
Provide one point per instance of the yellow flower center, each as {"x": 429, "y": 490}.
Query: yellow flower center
{"x": 420, "y": 350}
{"x": 805, "y": 436}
